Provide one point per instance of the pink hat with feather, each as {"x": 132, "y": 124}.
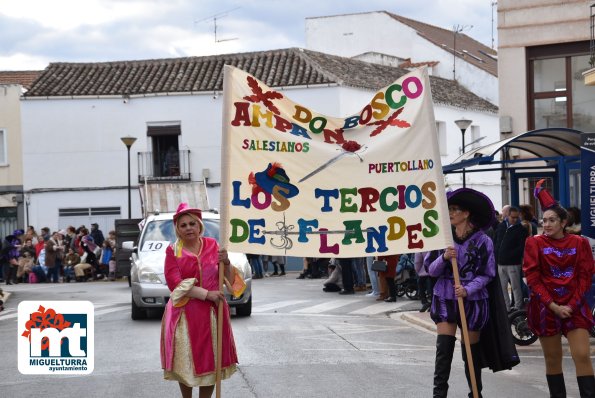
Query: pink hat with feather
{"x": 184, "y": 208}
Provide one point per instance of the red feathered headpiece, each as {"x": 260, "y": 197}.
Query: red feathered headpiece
{"x": 546, "y": 200}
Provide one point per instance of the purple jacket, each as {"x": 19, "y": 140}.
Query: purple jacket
{"x": 477, "y": 266}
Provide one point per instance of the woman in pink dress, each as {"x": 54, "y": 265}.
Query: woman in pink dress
{"x": 189, "y": 324}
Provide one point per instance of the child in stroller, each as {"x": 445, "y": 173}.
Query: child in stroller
{"x": 406, "y": 279}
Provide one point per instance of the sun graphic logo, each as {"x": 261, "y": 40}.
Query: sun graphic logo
{"x": 56, "y": 337}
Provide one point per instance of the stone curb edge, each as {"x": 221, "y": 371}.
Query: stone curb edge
{"x": 409, "y": 317}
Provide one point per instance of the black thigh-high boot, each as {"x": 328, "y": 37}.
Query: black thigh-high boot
{"x": 586, "y": 386}
{"x": 445, "y": 346}
{"x": 556, "y": 385}
{"x": 476, "y": 354}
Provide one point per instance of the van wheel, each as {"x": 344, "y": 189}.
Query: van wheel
{"x": 136, "y": 312}
{"x": 244, "y": 309}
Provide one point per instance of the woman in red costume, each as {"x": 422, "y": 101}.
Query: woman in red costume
{"x": 189, "y": 324}
{"x": 558, "y": 267}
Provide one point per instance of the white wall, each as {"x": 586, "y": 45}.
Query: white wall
{"x": 354, "y": 34}
{"x": 10, "y": 122}
{"x": 43, "y": 208}
{"x": 537, "y": 22}
{"x": 513, "y": 87}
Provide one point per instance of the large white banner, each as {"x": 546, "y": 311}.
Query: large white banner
{"x": 299, "y": 183}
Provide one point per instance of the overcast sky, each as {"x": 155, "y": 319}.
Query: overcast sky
{"x": 34, "y": 33}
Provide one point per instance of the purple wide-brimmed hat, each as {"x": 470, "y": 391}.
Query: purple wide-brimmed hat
{"x": 477, "y": 203}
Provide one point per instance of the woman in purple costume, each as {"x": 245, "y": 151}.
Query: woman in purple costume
{"x": 470, "y": 211}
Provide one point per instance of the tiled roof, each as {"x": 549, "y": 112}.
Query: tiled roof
{"x": 408, "y": 64}
{"x": 469, "y": 49}
{"x": 276, "y": 68}
{"x": 24, "y": 78}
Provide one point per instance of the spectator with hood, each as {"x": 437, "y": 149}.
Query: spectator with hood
{"x": 97, "y": 235}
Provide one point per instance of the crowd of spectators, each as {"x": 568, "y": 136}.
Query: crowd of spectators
{"x": 65, "y": 255}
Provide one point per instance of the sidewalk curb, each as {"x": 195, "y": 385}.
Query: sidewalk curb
{"x": 416, "y": 320}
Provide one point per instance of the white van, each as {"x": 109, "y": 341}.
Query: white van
{"x": 149, "y": 289}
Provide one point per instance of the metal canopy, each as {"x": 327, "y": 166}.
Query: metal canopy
{"x": 543, "y": 143}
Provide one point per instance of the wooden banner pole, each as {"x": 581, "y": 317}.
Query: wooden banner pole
{"x": 464, "y": 330}
{"x": 225, "y": 198}
{"x": 219, "y": 334}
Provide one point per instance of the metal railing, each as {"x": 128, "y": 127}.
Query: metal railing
{"x": 164, "y": 166}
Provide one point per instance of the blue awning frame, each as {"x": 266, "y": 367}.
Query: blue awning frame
{"x": 543, "y": 144}
{"x": 557, "y": 148}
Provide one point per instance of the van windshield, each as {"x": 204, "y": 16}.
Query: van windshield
{"x": 163, "y": 230}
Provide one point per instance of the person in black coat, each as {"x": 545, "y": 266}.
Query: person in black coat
{"x": 509, "y": 249}
{"x": 97, "y": 235}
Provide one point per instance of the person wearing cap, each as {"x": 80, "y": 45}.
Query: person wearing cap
{"x": 559, "y": 267}
{"x": 189, "y": 323}
{"x": 470, "y": 212}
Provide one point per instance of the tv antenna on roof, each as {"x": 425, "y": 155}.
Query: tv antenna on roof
{"x": 215, "y": 17}
{"x": 456, "y": 29}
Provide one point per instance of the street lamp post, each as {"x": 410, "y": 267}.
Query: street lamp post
{"x": 463, "y": 125}
{"x": 128, "y": 141}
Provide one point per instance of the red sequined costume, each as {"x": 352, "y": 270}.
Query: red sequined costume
{"x": 558, "y": 270}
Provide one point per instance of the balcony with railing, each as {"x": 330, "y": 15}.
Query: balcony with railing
{"x": 590, "y": 74}
{"x": 164, "y": 166}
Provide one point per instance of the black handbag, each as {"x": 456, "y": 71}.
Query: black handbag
{"x": 379, "y": 266}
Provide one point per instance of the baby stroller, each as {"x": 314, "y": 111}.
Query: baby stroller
{"x": 406, "y": 279}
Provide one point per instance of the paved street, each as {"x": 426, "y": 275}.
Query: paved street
{"x": 299, "y": 342}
